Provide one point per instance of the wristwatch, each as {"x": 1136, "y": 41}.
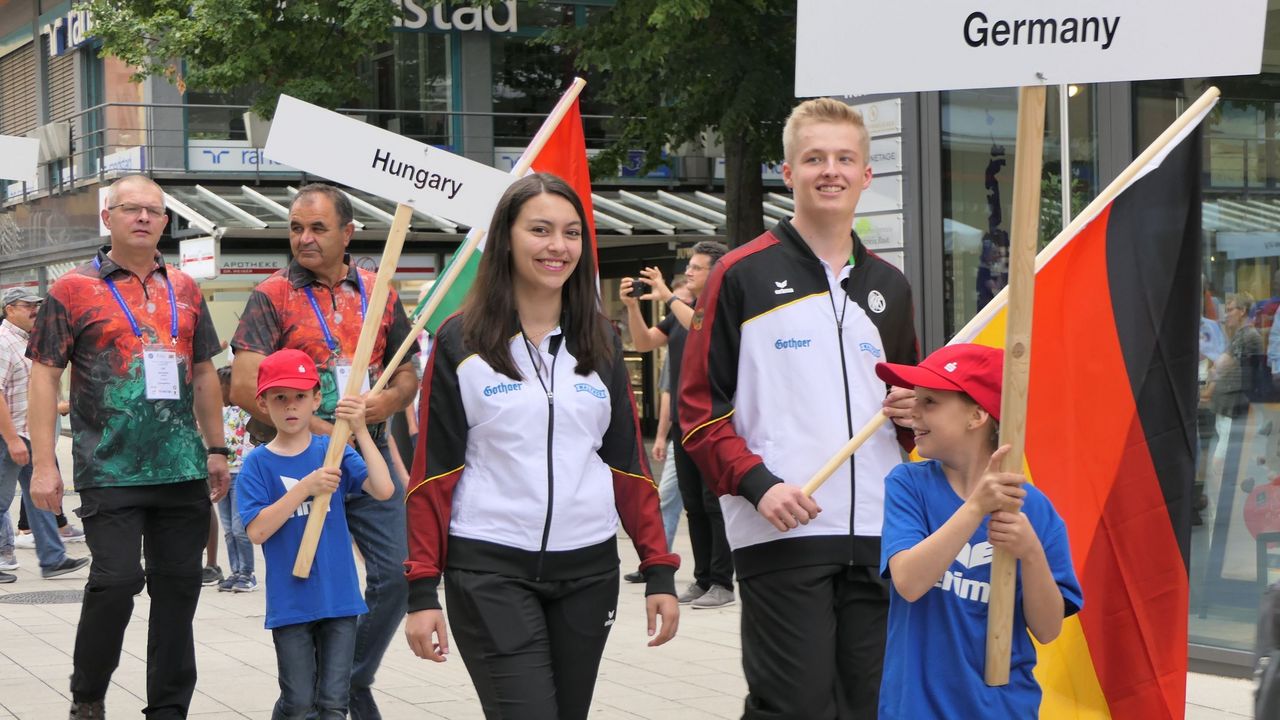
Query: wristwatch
{"x": 672, "y": 299}
{"x": 224, "y": 451}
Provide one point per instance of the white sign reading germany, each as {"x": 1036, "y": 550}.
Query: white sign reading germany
{"x": 383, "y": 163}
{"x": 923, "y": 45}
{"x": 18, "y": 158}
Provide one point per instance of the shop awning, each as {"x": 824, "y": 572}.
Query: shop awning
{"x": 226, "y": 209}
{"x": 1236, "y": 215}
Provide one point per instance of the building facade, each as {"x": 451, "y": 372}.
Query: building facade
{"x": 471, "y": 80}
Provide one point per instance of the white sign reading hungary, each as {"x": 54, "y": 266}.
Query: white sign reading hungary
{"x": 950, "y": 44}
{"x": 383, "y": 163}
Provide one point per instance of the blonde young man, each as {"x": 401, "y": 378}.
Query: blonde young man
{"x": 779, "y": 373}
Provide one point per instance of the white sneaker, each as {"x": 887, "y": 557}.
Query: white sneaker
{"x": 26, "y": 541}
{"x": 8, "y": 561}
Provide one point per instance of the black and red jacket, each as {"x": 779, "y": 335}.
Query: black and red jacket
{"x": 528, "y": 477}
{"x": 779, "y": 372}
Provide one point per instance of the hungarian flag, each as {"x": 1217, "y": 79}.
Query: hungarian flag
{"x": 1111, "y": 437}
{"x": 564, "y": 155}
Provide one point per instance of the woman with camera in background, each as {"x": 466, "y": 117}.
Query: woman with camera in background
{"x": 712, "y": 585}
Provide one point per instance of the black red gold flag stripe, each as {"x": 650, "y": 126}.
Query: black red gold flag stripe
{"x": 1111, "y": 439}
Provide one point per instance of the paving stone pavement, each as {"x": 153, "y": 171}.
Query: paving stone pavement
{"x": 698, "y": 675}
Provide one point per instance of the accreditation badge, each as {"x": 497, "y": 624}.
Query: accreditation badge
{"x": 160, "y": 372}
{"x": 342, "y": 373}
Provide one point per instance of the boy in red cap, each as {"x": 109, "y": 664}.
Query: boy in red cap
{"x": 312, "y": 621}
{"x": 942, "y": 519}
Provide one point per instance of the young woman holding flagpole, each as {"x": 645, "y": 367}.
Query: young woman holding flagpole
{"x": 528, "y": 456}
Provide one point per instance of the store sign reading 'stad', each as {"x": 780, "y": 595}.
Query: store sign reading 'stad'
{"x": 861, "y": 47}
{"x": 383, "y": 163}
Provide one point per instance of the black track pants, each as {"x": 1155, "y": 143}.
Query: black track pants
{"x": 170, "y": 525}
{"x": 712, "y": 558}
{"x": 532, "y": 648}
{"x": 813, "y": 642}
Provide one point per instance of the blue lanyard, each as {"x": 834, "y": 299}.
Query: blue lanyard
{"x": 324, "y": 325}
{"x": 133, "y": 322}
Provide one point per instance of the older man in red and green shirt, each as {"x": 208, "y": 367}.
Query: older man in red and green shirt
{"x": 139, "y": 339}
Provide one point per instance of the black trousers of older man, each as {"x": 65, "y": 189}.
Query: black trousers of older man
{"x": 169, "y": 524}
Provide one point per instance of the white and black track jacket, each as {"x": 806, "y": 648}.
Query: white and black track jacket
{"x": 779, "y": 372}
{"x": 528, "y": 478}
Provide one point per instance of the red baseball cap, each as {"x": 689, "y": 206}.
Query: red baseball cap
{"x": 288, "y": 369}
{"x": 976, "y": 370}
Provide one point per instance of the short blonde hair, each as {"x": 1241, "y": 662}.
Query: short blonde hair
{"x": 1242, "y": 300}
{"x": 113, "y": 191}
{"x": 822, "y": 110}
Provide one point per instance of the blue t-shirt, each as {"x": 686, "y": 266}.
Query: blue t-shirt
{"x": 333, "y": 589}
{"x": 936, "y": 646}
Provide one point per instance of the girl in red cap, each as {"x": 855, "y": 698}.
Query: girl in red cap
{"x": 942, "y": 519}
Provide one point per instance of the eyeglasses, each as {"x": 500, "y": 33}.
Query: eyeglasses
{"x": 696, "y": 268}
{"x": 132, "y": 210}
{"x": 27, "y": 305}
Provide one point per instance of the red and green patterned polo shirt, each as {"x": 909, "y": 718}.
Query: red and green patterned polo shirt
{"x": 280, "y": 315}
{"x": 120, "y": 438}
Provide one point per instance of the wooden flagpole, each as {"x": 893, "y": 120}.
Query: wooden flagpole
{"x": 1000, "y": 301}
{"x": 359, "y": 367}
{"x": 473, "y": 238}
{"x": 1025, "y": 230}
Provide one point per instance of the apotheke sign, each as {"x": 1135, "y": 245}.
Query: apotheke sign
{"x": 420, "y": 14}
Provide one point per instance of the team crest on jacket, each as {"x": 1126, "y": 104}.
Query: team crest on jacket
{"x": 875, "y": 301}
{"x": 697, "y": 320}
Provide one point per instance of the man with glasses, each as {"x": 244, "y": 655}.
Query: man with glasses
{"x": 139, "y": 339}
{"x": 712, "y": 585}
{"x": 20, "y": 306}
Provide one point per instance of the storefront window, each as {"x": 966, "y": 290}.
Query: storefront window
{"x": 978, "y": 141}
{"x": 529, "y": 75}
{"x": 216, "y": 115}
{"x": 27, "y": 277}
{"x": 1235, "y": 534}
{"x": 410, "y": 87}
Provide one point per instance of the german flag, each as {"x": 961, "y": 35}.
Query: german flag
{"x": 1111, "y": 437}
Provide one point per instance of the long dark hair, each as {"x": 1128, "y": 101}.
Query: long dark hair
{"x": 489, "y": 314}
